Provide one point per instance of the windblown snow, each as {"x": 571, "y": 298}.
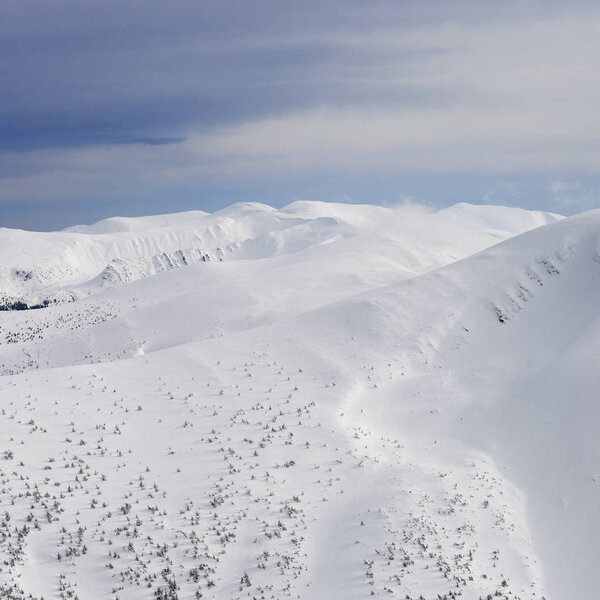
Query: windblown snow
{"x": 323, "y": 401}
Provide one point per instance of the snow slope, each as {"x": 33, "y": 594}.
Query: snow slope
{"x": 355, "y": 401}
{"x": 63, "y": 266}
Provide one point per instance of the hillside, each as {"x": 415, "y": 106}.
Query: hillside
{"x": 60, "y": 267}
{"x": 323, "y": 401}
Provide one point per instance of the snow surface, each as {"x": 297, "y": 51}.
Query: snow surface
{"x": 323, "y": 401}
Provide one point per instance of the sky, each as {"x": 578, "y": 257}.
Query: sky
{"x": 128, "y": 107}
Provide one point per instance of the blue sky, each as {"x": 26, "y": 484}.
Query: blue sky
{"x": 130, "y": 107}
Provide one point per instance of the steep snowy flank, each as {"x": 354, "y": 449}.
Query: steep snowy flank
{"x": 498, "y": 351}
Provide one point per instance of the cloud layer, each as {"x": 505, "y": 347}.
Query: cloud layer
{"x": 117, "y": 100}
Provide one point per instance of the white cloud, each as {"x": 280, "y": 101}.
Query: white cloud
{"x": 529, "y": 102}
{"x": 512, "y": 99}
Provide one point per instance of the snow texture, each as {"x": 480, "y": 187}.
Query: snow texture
{"x": 323, "y": 401}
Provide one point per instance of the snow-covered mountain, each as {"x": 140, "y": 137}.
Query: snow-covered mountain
{"x": 41, "y": 268}
{"x": 323, "y": 401}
